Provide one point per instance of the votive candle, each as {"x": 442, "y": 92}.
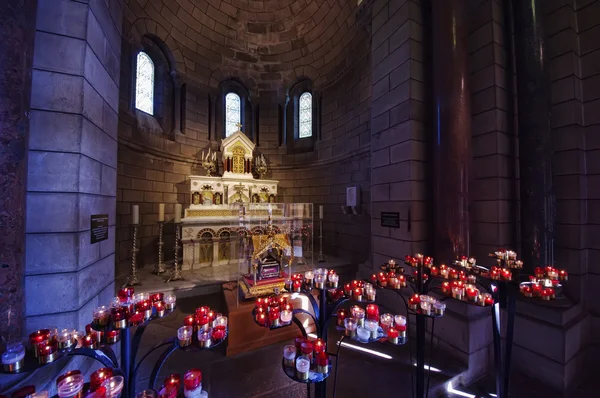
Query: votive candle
{"x": 286, "y": 316}
{"x": 372, "y": 326}
{"x": 289, "y": 355}
{"x": 350, "y": 324}
{"x": 184, "y": 336}
{"x": 170, "y": 300}
{"x": 302, "y": 368}
{"x": 341, "y": 315}
{"x": 205, "y": 338}
{"x": 13, "y": 358}
{"x": 192, "y": 381}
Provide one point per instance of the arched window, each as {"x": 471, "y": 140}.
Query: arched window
{"x": 233, "y": 113}
{"x": 144, "y": 84}
{"x": 305, "y": 116}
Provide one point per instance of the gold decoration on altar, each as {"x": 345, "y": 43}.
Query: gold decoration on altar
{"x": 238, "y": 160}
{"x": 263, "y": 243}
{"x": 227, "y": 212}
{"x": 261, "y": 290}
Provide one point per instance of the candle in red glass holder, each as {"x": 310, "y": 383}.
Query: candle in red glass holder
{"x": 527, "y": 291}
{"x": 137, "y": 318}
{"x": 189, "y": 321}
{"x": 374, "y": 278}
{"x": 144, "y": 306}
{"x": 446, "y": 288}
{"x": 453, "y": 273}
{"x": 168, "y": 392}
{"x": 112, "y": 336}
{"x": 211, "y": 316}
{"x": 563, "y": 275}
{"x": 282, "y": 301}
{"x": 297, "y": 286}
{"x": 202, "y": 322}
{"x": 192, "y": 379}
{"x": 38, "y": 337}
{"x": 125, "y": 294}
{"x": 89, "y": 341}
{"x": 393, "y": 334}
{"x": 307, "y": 349}
{"x": 159, "y": 307}
{"x": 318, "y": 346}
{"x": 472, "y": 293}
{"x": 119, "y": 316}
{"x": 506, "y": 274}
{"x": 173, "y": 380}
{"x": 260, "y": 302}
{"x": 219, "y": 332}
{"x": 413, "y": 302}
{"x": 46, "y": 351}
{"x": 434, "y": 271}
{"x": 202, "y": 310}
{"x": 322, "y": 362}
{"x": 357, "y": 294}
{"x": 373, "y": 312}
{"x": 99, "y": 377}
{"x": 288, "y": 307}
{"x": 261, "y": 319}
{"x": 487, "y": 299}
{"x": 274, "y": 316}
{"x": 154, "y": 297}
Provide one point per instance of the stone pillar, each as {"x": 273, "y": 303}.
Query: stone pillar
{"x": 72, "y": 167}
{"x": 535, "y": 136}
{"x": 451, "y": 138}
{"x": 17, "y": 29}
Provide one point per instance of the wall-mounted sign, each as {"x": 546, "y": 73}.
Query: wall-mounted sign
{"x": 99, "y": 228}
{"x": 390, "y": 220}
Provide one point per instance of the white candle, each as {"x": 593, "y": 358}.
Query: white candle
{"x": 286, "y": 316}
{"x": 320, "y": 212}
{"x": 221, "y": 321}
{"x": 309, "y": 275}
{"x": 135, "y": 214}
{"x": 372, "y": 326}
{"x": 302, "y": 365}
{"x": 400, "y": 320}
{"x": 161, "y": 212}
{"x": 177, "y": 213}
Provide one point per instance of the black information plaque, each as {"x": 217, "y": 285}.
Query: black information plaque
{"x": 390, "y": 220}
{"x": 99, "y": 227}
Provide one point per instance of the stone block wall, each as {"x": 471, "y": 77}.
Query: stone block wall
{"x": 72, "y": 169}
{"x": 398, "y": 137}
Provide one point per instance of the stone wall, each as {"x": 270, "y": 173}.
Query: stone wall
{"x": 72, "y": 168}
{"x": 271, "y": 49}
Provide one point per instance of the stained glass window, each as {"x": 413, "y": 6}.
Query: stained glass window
{"x": 233, "y": 113}
{"x": 144, "y": 84}
{"x": 305, "y": 116}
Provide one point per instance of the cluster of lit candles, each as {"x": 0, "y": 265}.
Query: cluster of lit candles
{"x": 192, "y": 386}
{"x": 427, "y": 305}
{"x": 129, "y": 309}
{"x": 319, "y": 278}
{"x": 366, "y": 324}
{"x": 305, "y": 355}
{"x": 543, "y": 283}
{"x": 360, "y": 291}
{"x": 206, "y": 327}
{"x": 273, "y": 311}
{"x": 392, "y": 278}
{"x": 507, "y": 258}
{"x": 467, "y": 292}
{"x": 103, "y": 384}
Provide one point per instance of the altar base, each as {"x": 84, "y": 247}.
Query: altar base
{"x": 245, "y": 334}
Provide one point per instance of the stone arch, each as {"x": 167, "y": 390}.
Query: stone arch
{"x": 204, "y": 231}
{"x": 146, "y": 27}
{"x": 222, "y": 230}
{"x": 257, "y": 231}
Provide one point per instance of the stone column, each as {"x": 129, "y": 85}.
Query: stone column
{"x": 452, "y": 129}
{"x": 535, "y": 136}
{"x": 177, "y": 83}
{"x": 17, "y": 28}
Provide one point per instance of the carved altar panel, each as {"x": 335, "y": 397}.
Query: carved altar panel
{"x": 238, "y": 160}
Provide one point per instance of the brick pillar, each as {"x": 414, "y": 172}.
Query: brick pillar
{"x": 72, "y": 160}
{"x": 17, "y": 29}
{"x": 451, "y": 138}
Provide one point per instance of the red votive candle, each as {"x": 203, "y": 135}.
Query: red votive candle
{"x": 202, "y": 322}
{"x": 348, "y": 290}
{"x": 282, "y": 301}
{"x": 173, "y": 380}
{"x": 125, "y": 294}
{"x": 341, "y": 315}
{"x": 357, "y": 294}
{"x": 322, "y": 362}
{"x": 168, "y": 392}
{"x": 393, "y": 334}
{"x": 47, "y": 352}
{"x": 99, "y": 377}
{"x": 260, "y": 302}
{"x": 307, "y": 349}
{"x": 192, "y": 379}
{"x": 38, "y": 337}
{"x": 373, "y": 312}
{"x": 119, "y": 317}
{"x": 219, "y": 332}
{"x": 145, "y": 307}
{"x": 202, "y": 310}
{"x": 189, "y": 321}
{"x": 159, "y": 307}
{"x": 274, "y": 316}
{"x": 137, "y": 318}
{"x": 262, "y": 319}
{"x": 318, "y": 346}
{"x": 487, "y": 299}
{"x": 374, "y": 278}
{"x": 563, "y": 275}
{"x": 112, "y": 336}
{"x": 154, "y": 297}
{"x": 89, "y": 341}
{"x": 90, "y": 330}
{"x": 413, "y": 302}
{"x": 297, "y": 286}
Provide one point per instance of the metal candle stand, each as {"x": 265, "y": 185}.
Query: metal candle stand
{"x": 176, "y": 276}
{"x": 133, "y": 278}
{"x": 160, "y": 267}
{"x": 321, "y": 258}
